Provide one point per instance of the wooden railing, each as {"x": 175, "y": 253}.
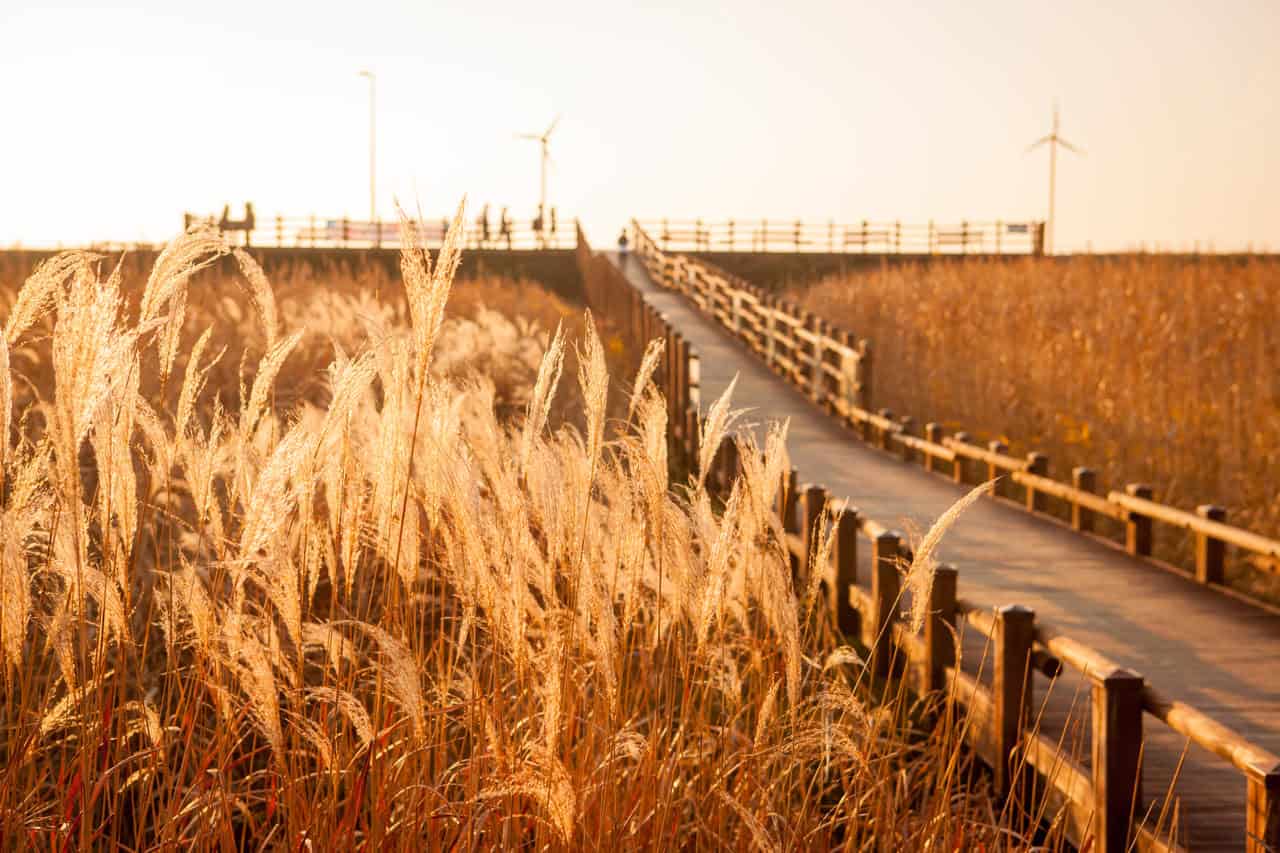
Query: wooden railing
{"x": 346, "y": 233}
{"x": 834, "y": 368}
{"x": 611, "y": 297}
{"x": 774, "y": 235}
{"x": 1098, "y": 802}
{"x": 831, "y": 365}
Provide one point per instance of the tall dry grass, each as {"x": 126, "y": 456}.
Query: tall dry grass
{"x": 1156, "y": 370}
{"x": 282, "y": 574}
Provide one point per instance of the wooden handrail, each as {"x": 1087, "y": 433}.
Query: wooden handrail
{"x": 1070, "y": 494}
{"x": 787, "y": 341}
{"x": 861, "y": 237}
{"x": 971, "y": 451}
{"x": 1207, "y": 732}
{"x": 1095, "y": 802}
{"x": 1214, "y": 529}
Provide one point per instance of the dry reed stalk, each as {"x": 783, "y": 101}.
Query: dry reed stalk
{"x": 393, "y": 596}
{"x": 1147, "y": 369}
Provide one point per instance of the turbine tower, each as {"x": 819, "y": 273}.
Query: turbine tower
{"x": 1053, "y": 140}
{"x": 543, "y": 139}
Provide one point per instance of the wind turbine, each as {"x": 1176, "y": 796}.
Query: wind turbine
{"x": 542, "y": 139}
{"x": 1054, "y": 140}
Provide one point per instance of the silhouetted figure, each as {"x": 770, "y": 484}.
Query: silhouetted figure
{"x": 623, "y": 243}
{"x": 484, "y": 226}
{"x": 249, "y": 221}
{"x": 554, "y": 229}
{"x": 444, "y": 230}
{"x": 504, "y": 228}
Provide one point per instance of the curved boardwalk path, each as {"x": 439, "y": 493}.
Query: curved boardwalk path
{"x": 1214, "y": 652}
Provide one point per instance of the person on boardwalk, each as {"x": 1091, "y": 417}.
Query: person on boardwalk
{"x": 484, "y": 226}
{"x": 504, "y": 228}
{"x": 623, "y": 243}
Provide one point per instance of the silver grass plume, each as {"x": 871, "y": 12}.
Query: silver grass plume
{"x": 919, "y": 578}
{"x": 648, "y": 364}
{"x": 544, "y": 390}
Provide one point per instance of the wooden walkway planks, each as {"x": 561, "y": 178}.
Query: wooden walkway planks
{"x": 1209, "y": 650}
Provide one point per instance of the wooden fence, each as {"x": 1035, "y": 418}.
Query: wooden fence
{"x": 345, "y": 233}
{"x": 609, "y": 295}
{"x": 1100, "y": 803}
{"x": 765, "y": 235}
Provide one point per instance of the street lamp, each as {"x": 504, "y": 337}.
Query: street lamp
{"x": 373, "y": 146}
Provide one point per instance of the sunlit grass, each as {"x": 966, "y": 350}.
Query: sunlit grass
{"x": 318, "y": 566}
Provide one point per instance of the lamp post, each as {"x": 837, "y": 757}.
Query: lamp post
{"x": 373, "y": 146}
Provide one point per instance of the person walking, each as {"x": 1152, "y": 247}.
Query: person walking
{"x": 622, "y": 245}
{"x": 504, "y": 228}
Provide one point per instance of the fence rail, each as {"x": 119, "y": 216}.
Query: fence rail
{"x": 765, "y": 235}
{"x": 1099, "y": 802}
{"x": 345, "y": 233}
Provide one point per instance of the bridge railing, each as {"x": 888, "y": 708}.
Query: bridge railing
{"x": 341, "y": 232}
{"x": 834, "y": 369}
{"x": 774, "y": 235}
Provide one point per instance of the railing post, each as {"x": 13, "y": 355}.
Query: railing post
{"x": 786, "y": 507}
{"x": 692, "y": 424}
{"x": 1138, "y": 526}
{"x": 846, "y": 548}
{"x": 1011, "y": 687}
{"x": 957, "y": 467}
{"x": 670, "y": 355}
{"x": 770, "y": 346}
{"x": 993, "y": 470}
{"x": 1210, "y": 553}
{"x": 1038, "y": 464}
{"x": 884, "y": 599}
{"x": 865, "y": 362}
{"x": 933, "y": 435}
{"x": 885, "y": 442}
{"x": 1117, "y": 748}
{"x": 814, "y": 327}
{"x": 939, "y": 629}
{"x": 1086, "y": 480}
{"x": 908, "y": 428}
{"x": 1263, "y": 810}
{"x": 812, "y": 502}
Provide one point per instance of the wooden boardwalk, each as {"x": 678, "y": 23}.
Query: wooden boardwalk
{"x": 1204, "y": 648}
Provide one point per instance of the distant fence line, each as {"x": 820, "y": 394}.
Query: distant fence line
{"x": 321, "y": 232}
{"x": 342, "y": 232}
{"x": 833, "y": 367}
{"x": 778, "y": 235}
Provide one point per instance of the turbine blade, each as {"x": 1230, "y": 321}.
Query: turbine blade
{"x": 1041, "y": 141}
{"x": 1067, "y": 145}
{"x": 528, "y": 136}
{"x": 552, "y": 127}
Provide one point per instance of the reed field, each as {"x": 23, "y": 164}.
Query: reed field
{"x": 1157, "y": 370}
{"x": 337, "y": 564}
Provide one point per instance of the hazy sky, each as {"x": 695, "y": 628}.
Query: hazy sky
{"x": 118, "y": 119}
